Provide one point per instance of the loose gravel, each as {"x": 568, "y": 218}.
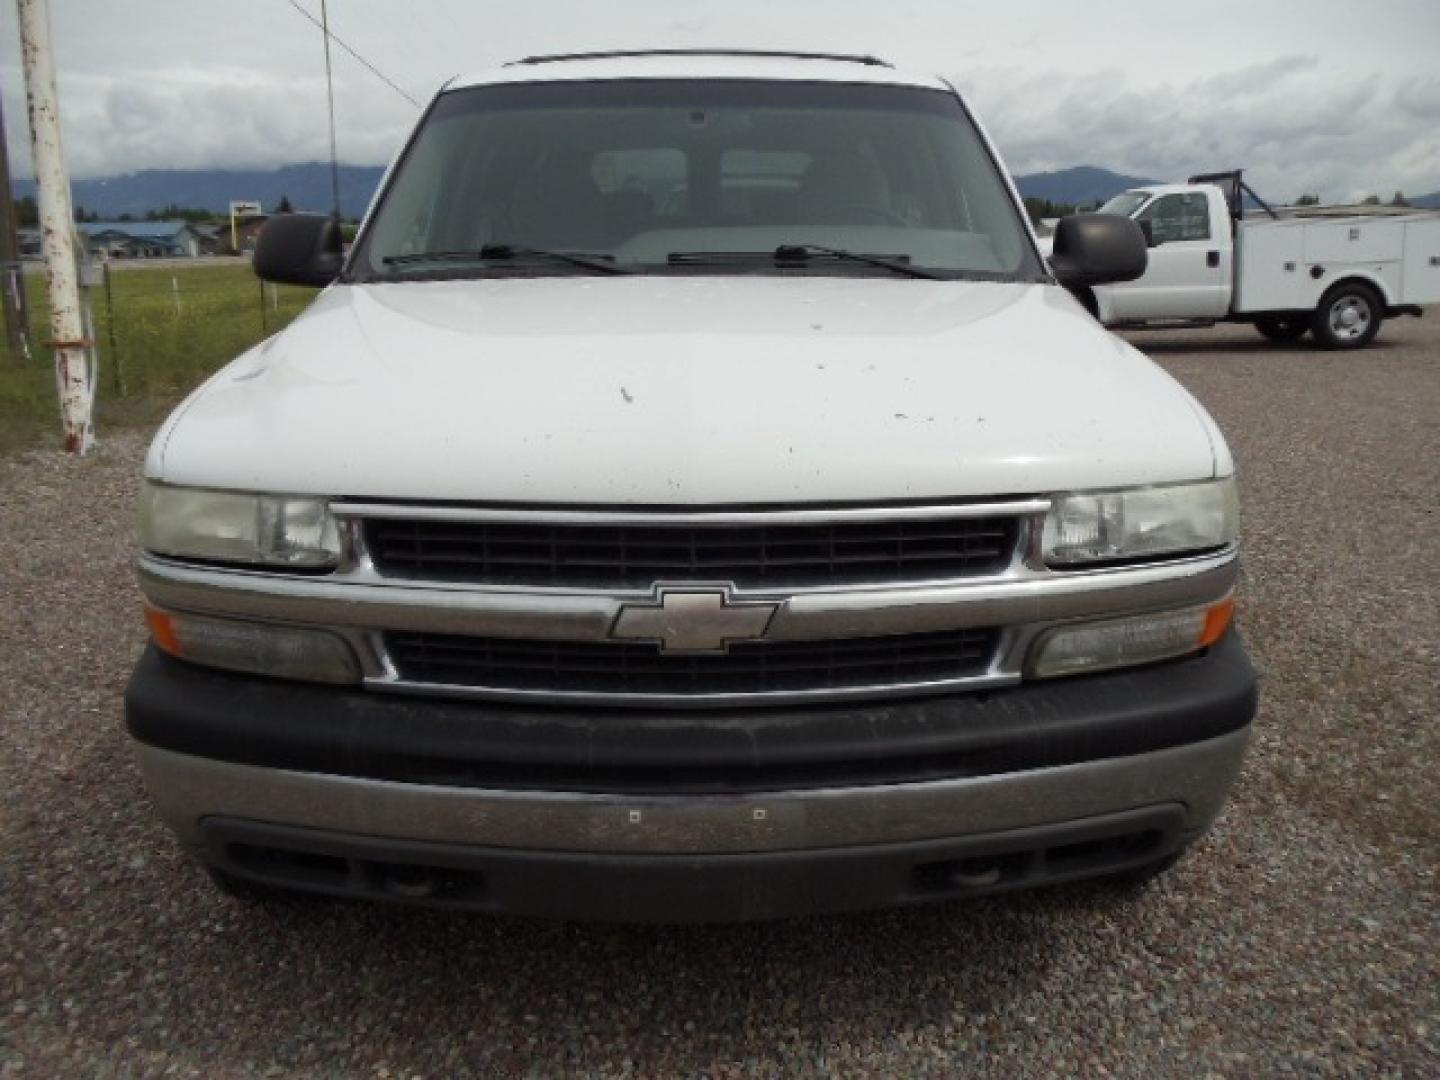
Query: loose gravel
{"x": 1301, "y": 938}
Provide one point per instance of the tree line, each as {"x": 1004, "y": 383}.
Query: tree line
{"x": 27, "y": 213}
{"x": 1370, "y": 200}
{"x": 1045, "y": 208}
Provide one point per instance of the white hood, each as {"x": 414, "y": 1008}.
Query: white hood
{"x": 681, "y": 390}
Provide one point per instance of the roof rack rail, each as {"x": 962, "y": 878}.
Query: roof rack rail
{"x": 782, "y": 54}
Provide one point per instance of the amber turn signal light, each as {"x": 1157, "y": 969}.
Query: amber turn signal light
{"x": 1217, "y": 621}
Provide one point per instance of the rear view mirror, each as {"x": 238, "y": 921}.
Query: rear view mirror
{"x": 1098, "y": 249}
{"x": 299, "y": 249}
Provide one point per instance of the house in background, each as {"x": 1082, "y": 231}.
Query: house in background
{"x": 214, "y": 239}
{"x": 247, "y": 231}
{"x": 140, "y": 239}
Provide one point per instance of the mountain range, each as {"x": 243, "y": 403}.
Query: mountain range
{"x": 1083, "y": 185}
{"x": 307, "y": 186}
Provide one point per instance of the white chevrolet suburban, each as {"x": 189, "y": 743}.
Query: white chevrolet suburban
{"x": 692, "y": 498}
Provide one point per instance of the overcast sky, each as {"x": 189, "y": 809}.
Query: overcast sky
{"x": 1337, "y": 97}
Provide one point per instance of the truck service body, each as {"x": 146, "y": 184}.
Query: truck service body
{"x": 1336, "y": 273}
{"x": 693, "y": 498}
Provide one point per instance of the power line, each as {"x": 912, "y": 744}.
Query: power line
{"x": 363, "y": 62}
{"x": 330, "y": 95}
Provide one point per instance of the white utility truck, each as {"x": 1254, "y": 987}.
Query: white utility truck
{"x": 1218, "y": 256}
{"x": 692, "y": 497}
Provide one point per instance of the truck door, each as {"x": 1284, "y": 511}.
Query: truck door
{"x": 1188, "y": 276}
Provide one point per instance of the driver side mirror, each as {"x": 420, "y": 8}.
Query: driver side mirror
{"x": 299, "y": 249}
{"x": 1098, "y": 249}
{"x": 1148, "y": 228}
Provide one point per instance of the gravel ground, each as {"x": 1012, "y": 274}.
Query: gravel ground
{"x": 1302, "y": 937}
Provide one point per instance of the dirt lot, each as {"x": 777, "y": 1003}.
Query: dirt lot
{"x": 1302, "y": 937}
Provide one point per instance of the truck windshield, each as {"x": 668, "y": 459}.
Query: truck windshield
{"x": 690, "y": 176}
{"x": 1125, "y": 204}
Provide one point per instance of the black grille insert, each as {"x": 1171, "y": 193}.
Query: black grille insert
{"x": 641, "y": 669}
{"x": 636, "y": 556}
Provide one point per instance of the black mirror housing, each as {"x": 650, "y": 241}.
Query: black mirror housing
{"x": 299, "y": 249}
{"x": 1098, "y": 249}
{"x": 1148, "y": 229}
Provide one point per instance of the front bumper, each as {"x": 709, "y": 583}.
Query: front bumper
{"x": 755, "y": 813}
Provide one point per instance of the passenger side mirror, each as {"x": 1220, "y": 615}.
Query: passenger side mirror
{"x": 1098, "y": 249}
{"x": 299, "y": 249}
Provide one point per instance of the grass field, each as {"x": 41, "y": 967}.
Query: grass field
{"x": 171, "y": 327}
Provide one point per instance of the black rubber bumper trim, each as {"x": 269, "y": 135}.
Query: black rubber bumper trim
{"x": 686, "y": 888}
{"x": 255, "y": 721}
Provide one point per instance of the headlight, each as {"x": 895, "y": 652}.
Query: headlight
{"x": 232, "y": 526}
{"x": 1138, "y": 523}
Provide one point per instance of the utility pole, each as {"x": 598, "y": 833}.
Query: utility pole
{"x": 17, "y": 329}
{"x": 57, "y": 228}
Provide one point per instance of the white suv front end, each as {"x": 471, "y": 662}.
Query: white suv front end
{"x": 692, "y": 498}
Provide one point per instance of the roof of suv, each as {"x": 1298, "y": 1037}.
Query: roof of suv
{"x": 700, "y": 64}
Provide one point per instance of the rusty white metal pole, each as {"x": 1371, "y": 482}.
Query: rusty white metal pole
{"x": 57, "y": 228}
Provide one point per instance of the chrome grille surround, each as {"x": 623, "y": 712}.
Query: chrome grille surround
{"x": 1013, "y": 603}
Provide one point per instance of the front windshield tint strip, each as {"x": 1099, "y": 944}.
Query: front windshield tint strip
{"x": 631, "y": 171}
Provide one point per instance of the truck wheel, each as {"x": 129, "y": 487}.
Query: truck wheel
{"x": 1348, "y": 317}
{"x": 1277, "y": 328}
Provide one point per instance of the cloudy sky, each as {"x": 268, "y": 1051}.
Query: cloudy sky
{"x": 1338, "y": 97}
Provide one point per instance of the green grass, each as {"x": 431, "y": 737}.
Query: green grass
{"x": 152, "y": 354}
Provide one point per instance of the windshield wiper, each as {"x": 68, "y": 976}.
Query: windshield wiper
{"x": 800, "y": 255}
{"x": 896, "y": 264}
{"x": 509, "y": 252}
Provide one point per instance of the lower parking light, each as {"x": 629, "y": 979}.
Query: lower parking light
{"x": 286, "y": 652}
{"x": 1135, "y": 639}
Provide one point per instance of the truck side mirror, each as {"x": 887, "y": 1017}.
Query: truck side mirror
{"x": 1098, "y": 249}
{"x": 1148, "y": 228}
{"x": 299, "y": 249}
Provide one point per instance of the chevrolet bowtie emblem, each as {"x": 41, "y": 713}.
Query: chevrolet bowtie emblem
{"x": 693, "y": 620}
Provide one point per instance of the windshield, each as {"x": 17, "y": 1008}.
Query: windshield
{"x": 689, "y": 176}
{"x": 1125, "y": 204}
